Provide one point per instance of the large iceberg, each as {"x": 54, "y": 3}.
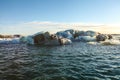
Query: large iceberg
{"x": 64, "y": 37}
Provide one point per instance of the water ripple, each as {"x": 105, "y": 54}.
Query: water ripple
{"x": 79, "y": 61}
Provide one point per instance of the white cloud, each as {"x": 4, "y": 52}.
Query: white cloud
{"x": 36, "y": 26}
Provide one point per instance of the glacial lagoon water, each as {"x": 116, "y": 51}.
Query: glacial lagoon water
{"x": 78, "y": 61}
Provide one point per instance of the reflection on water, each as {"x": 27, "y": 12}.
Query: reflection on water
{"x": 79, "y": 61}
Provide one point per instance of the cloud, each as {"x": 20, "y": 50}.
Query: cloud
{"x": 37, "y": 26}
{"x": 57, "y": 25}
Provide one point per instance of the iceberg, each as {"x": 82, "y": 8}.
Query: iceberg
{"x": 85, "y": 38}
{"x": 64, "y": 37}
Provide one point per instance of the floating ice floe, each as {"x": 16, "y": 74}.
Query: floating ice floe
{"x": 111, "y": 42}
{"x": 107, "y": 42}
{"x": 9, "y": 40}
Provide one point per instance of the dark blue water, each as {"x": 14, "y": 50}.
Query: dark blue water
{"x": 79, "y": 61}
